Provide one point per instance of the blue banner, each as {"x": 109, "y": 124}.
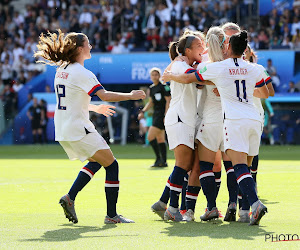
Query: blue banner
{"x": 134, "y": 68}
{"x": 121, "y": 69}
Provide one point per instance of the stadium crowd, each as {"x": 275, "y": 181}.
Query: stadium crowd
{"x": 126, "y": 26}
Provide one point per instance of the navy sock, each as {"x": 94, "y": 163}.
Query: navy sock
{"x": 84, "y": 176}
{"x": 245, "y": 203}
{"x": 163, "y": 151}
{"x": 232, "y": 185}
{"x": 176, "y": 182}
{"x": 166, "y": 193}
{"x": 112, "y": 188}
{"x": 217, "y": 182}
{"x": 207, "y": 180}
{"x": 183, "y": 192}
{"x": 155, "y": 148}
{"x": 254, "y": 167}
{"x": 246, "y": 182}
{"x": 191, "y": 197}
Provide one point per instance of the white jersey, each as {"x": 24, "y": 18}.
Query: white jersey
{"x": 256, "y": 100}
{"x": 211, "y": 105}
{"x": 235, "y": 80}
{"x": 183, "y": 98}
{"x": 74, "y": 86}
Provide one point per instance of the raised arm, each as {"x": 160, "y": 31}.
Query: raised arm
{"x": 109, "y": 96}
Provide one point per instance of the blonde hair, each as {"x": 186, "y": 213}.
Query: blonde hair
{"x": 215, "y": 39}
{"x": 230, "y": 26}
{"x": 59, "y": 49}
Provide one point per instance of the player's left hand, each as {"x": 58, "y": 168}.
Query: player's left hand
{"x": 106, "y": 110}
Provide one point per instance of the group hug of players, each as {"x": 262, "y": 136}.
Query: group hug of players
{"x": 215, "y": 111}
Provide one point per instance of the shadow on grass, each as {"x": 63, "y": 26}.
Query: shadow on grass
{"x": 71, "y": 232}
{"x": 216, "y": 230}
{"x": 267, "y": 202}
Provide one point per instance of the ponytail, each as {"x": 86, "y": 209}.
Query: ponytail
{"x": 215, "y": 39}
{"x": 173, "y": 51}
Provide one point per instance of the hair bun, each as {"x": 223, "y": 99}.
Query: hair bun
{"x": 244, "y": 35}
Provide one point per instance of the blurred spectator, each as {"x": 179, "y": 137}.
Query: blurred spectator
{"x": 273, "y": 74}
{"x": 163, "y": 13}
{"x": 292, "y": 88}
{"x": 6, "y": 54}
{"x": 35, "y": 114}
{"x": 9, "y": 99}
{"x": 21, "y": 78}
{"x": 48, "y": 89}
{"x": 44, "y": 120}
{"x": 6, "y": 72}
{"x": 16, "y": 86}
{"x": 284, "y": 131}
{"x": 287, "y": 43}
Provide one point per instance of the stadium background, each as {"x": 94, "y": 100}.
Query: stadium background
{"x": 33, "y": 177}
{"x": 126, "y": 45}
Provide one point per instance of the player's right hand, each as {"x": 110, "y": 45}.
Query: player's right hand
{"x": 137, "y": 94}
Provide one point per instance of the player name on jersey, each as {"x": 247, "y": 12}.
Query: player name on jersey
{"x": 63, "y": 75}
{"x": 239, "y": 71}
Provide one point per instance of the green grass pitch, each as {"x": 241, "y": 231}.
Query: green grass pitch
{"x": 33, "y": 178}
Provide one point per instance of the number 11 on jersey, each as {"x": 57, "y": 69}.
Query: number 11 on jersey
{"x": 237, "y": 84}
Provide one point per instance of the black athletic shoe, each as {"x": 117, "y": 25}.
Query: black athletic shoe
{"x": 157, "y": 163}
{"x": 163, "y": 165}
{"x": 231, "y": 212}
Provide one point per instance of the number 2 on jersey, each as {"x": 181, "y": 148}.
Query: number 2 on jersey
{"x": 237, "y": 83}
{"x": 59, "y": 95}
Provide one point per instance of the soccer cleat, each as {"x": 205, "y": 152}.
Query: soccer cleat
{"x": 69, "y": 208}
{"x": 231, "y": 212}
{"x": 116, "y": 219}
{"x": 174, "y": 216}
{"x": 244, "y": 216}
{"x": 210, "y": 214}
{"x": 159, "y": 208}
{"x": 163, "y": 165}
{"x": 188, "y": 216}
{"x": 258, "y": 211}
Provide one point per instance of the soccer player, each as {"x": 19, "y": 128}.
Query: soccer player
{"x": 159, "y": 99}
{"x": 74, "y": 86}
{"x": 250, "y": 56}
{"x": 180, "y": 124}
{"x": 236, "y": 80}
